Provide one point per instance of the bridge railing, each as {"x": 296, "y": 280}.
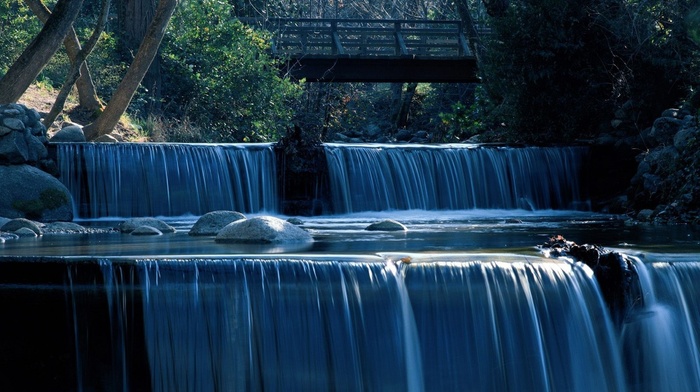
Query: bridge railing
{"x": 366, "y": 38}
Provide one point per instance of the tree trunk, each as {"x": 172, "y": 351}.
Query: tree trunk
{"x": 127, "y": 87}
{"x": 134, "y": 17}
{"x": 407, "y": 97}
{"x": 34, "y": 58}
{"x": 87, "y": 94}
{"x": 78, "y": 62}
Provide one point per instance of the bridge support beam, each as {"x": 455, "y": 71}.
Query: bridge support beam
{"x": 382, "y": 70}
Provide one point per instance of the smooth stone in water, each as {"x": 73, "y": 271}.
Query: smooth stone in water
{"x": 212, "y": 222}
{"x": 262, "y": 230}
{"x": 21, "y": 223}
{"x": 387, "y": 225}
{"x": 132, "y": 224}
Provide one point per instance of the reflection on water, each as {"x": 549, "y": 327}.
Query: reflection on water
{"x": 453, "y": 231}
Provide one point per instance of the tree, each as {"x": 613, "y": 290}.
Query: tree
{"x": 76, "y": 65}
{"x": 148, "y": 50}
{"x": 87, "y": 94}
{"x": 34, "y": 58}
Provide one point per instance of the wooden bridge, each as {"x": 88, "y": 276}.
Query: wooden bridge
{"x": 371, "y": 50}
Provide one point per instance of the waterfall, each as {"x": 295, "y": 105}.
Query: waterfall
{"x": 279, "y": 325}
{"x": 661, "y": 341}
{"x": 512, "y": 326}
{"x": 149, "y": 179}
{"x": 453, "y": 177}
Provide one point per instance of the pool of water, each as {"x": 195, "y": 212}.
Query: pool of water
{"x": 478, "y": 231}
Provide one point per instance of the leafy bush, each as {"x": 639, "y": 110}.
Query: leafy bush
{"x": 218, "y": 75}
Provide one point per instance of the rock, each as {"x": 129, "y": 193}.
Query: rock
{"x": 132, "y": 224}
{"x": 645, "y": 215}
{"x": 403, "y": 135}
{"x": 7, "y": 236}
{"x": 64, "y": 228}
{"x": 4, "y": 220}
{"x": 27, "y": 192}
{"x": 513, "y": 220}
{"x": 262, "y": 230}
{"x": 26, "y": 232}
{"x": 21, "y": 223}
{"x": 146, "y": 230}
{"x": 22, "y": 136}
{"x": 665, "y": 128}
{"x": 386, "y": 225}
{"x": 69, "y": 134}
{"x": 684, "y": 138}
{"x": 106, "y": 139}
{"x": 212, "y": 222}
{"x": 295, "y": 221}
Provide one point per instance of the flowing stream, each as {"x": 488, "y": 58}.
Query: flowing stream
{"x": 461, "y": 301}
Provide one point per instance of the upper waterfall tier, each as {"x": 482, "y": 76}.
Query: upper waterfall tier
{"x": 149, "y": 179}
{"x": 453, "y": 177}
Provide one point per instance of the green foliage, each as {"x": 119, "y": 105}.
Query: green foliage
{"x": 560, "y": 68}
{"x": 219, "y": 76}
{"x": 18, "y": 26}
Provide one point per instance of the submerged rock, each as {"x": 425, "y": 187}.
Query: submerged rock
{"x": 387, "y": 225}
{"x": 262, "y": 230}
{"x": 132, "y": 224}
{"x": 212, "y": 222}
{"x": 146, "y": 230}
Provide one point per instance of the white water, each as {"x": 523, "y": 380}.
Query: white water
{"x": 660, "y": 341}
{"x": 453, "y": 177}
{"x": 149, "y": 179}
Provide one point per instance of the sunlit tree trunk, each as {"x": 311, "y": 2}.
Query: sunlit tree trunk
{"x": 142, "y": 61}
{"x": 77, "y": 63}
{"x": 87, "y": 94}
{"x": 35, "y": 57}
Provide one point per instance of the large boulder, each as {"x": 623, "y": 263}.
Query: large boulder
{"x": 262, "y": 230}
{"x": 212, "y": 222}
{"x": 27, "y": 192}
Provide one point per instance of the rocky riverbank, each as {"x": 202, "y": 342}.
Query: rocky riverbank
{"x": 666, "y": 185}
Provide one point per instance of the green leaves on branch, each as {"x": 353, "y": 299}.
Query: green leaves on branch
{"x": 222, "y": 77}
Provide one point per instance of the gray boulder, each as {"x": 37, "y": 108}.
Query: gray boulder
{"x": 262, "y": 230}
{"x": 27, "y": 192}
{"x": 14, "y": 225}
{"x": 64, "y": 228}
{"x": 132, "y": 224}
{"x": 387, "y": 225}
{"x": 69, "y": 134}
{"x": 212, "y": 222}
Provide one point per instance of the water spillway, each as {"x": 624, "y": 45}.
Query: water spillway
{"x": 147, "y": 179}
{"x": 356, "y": 323}
{"x": 454, "y": 177}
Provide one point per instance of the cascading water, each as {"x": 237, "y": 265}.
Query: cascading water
{"x": 144, "y": 179}
{"x": 512, "y": 325}
{"x": 453, "y": 177}
{"x": 278, "y": 325}
{"x": 661, "y": 342}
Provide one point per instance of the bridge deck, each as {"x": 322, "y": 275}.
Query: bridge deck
{"x": 361, "y": 50}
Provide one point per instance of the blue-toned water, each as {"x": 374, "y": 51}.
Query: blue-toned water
{"x": 461, "y": 301}
{"x": 149, "y": 179}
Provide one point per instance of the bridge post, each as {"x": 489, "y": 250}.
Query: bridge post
{"x": 400, "y": 43}
{"x": 337, "y": 47}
